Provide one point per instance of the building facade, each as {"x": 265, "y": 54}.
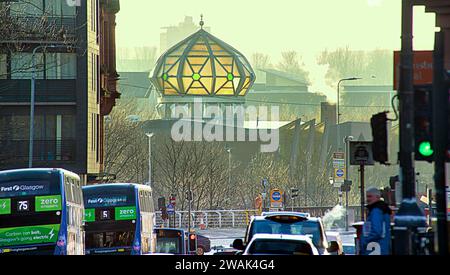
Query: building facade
{"x": 75, "y": 84}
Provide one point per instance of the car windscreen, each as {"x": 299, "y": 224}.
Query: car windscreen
{"x": 302, "y": 227}
{"x": 280, "y": 247}
{"x": 168, "y": 245}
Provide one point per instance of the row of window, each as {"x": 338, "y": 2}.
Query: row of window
{"x": 41, "y": 7}
{"x": 47, "y": 66}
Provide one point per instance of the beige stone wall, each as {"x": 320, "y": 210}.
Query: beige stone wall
{"x": 93, "y": 106}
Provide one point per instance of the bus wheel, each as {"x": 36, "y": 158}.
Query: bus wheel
{"x": 200, "y": 251}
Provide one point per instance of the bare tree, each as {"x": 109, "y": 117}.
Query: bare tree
{"x": 291, "y": 63}
{"x": 261, "y": 61}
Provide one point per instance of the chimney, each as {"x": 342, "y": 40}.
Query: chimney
{"x": 328, "y": 113}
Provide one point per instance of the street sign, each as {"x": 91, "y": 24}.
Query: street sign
{"x": 339, "y": 175}
{"x": 422, "y": 68}
{"x": 173, "y": 199}
{"x": 361, "y": 153}
{"x": 170, "y": 209}
{"x": 338, "y": 163}
{"x": 276, "y": 198}
{"x": 338, "y": 155}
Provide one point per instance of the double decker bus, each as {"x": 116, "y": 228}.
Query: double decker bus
{"x": 41, "y": 212}
{"x": 119, "y": 219}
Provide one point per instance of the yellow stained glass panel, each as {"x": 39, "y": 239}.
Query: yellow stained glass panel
{"x": 197, "y": 91}
{"x": 197, "y": 60}
{"x": 220, "y": 81}
{"x": 174, "y": 70}
{"x": 187, "y": 70}
{"x": 220, "y": 71}
{"x": 170, "y": 92}
{"x": 174, "y": 82}
{"x": 187, "y": 81}
{"x": 207, "y": 82}
{"x": 225, "y": 91}
{"x": 207, "y": 69}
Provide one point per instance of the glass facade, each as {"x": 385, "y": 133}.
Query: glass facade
{"x": 203, "y": 65}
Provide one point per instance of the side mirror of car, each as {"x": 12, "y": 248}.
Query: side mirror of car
{"x": 333, "y": 247}
{"x": 238, "y": 244}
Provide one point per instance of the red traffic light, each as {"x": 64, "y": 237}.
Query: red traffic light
{"x": 192, "y": 237}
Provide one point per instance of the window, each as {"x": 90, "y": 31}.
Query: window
{"x": 3, "y": 66}
{"x": 59, "y": 8}
{"x": 27, "y": 8}
{"x": 61, "y": 66}
{"x": 22, "y": 65}
{"x": 109, "y": 239}
{"x": 56, "y": 66}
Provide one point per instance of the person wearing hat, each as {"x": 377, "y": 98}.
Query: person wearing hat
{"x": 376, "y": 235}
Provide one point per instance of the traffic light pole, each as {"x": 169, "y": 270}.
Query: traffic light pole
{"x": 440, "y": 139}
{"x": 409, "y": 216}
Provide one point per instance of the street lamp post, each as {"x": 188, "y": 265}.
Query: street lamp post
{"x": 347, "y": 167}
{"x": 149, "y": 135}
{"x": 32, "y": 98}
{"x": 337, "y": 107}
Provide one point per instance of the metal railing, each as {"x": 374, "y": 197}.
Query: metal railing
{"x": 209, "y": 218}
{"x": 235, "y": 218}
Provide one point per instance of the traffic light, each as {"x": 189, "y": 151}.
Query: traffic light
{"x": 192, "y": 242}
{"x": 423, "y": 122}
{"x": 189, "y": 196}
{"x": 378, "y": 123}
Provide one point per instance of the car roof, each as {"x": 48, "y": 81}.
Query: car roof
{"x": 286, "y": 213}
{"x": 282, "y": 237}
{"x": 263, "y": 217}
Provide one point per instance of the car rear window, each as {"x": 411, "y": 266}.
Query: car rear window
{"x": 284, "y": 247}
{"x": 303, "y": 227}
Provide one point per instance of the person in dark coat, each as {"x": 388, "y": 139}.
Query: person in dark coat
{"x": 376, "y": 235}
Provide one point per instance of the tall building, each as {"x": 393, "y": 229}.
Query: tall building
{"x": 75, "y": 83}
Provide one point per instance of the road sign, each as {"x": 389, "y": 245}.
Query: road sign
{"x": 170, "y": 209}
{"x": 338, "y": 155}
{"x": 339, "y": 175}
{"x": 361, "y": 153}
{"x": 338, "y": 163}
{"x": 276, "y": 198}
{"x": 422, "y": 68}
{"x": 173, "y": 199}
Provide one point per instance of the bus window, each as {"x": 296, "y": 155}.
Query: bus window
{"x": 109, "y": 239}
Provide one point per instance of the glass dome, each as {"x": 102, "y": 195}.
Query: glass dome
{"x": 203, "y": 65}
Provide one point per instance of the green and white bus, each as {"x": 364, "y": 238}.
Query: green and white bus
{"x": 41, "y": 212}
{"x": 119, "y": 219}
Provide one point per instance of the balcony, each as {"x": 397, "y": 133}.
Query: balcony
{"x": 18, "y": 91}
{"x": 13, "y": 153}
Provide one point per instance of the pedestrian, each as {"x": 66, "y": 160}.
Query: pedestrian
{"x": 376, "y": 235}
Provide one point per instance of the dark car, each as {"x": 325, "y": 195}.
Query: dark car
{"x": 203, "y": 244}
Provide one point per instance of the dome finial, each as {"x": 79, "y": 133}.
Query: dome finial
{"x": 201, "y": 21}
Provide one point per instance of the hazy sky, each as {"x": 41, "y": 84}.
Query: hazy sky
{"x": 268, "y": 26}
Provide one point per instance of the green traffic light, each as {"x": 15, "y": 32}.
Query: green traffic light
{"x": 425, "y": 149}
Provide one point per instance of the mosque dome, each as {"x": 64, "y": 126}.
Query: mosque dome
{"x": 202, "y": 65}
